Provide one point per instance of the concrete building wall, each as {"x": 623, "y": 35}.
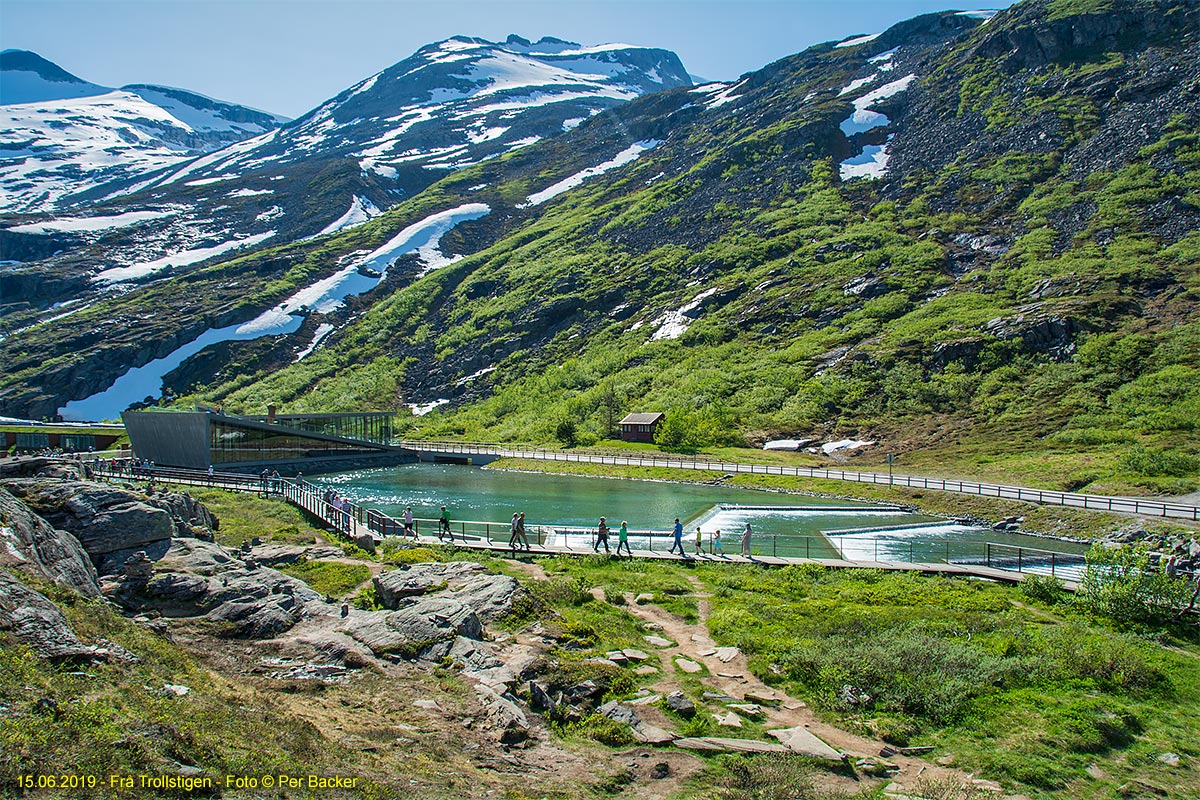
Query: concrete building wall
{"x": 169, "y": 438}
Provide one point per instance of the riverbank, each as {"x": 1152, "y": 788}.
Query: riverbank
{"x": 1051, "y": 522}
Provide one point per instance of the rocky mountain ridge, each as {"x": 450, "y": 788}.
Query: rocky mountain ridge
{"x": 967, "y": 217}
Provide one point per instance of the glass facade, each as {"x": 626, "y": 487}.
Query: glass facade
{"x": 229, "y": 443}
{"x": 378, "y": 427}
{"x": 33, "y": 440}
{"x": 79, "y": 442}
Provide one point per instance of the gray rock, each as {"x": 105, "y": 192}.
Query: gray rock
{"x": 411, "y": 630}
{"x": 275, "y": 554}
{"x": 729, "y": 720}
{"x": 687, "y": 665}
{"x": 616, "y": 656}
{"x": 539, "y": 698}
{"x": 800, "y": 740}
{"x": 504, "y": 713}
{"x": 717, "y": 744}
{"x": 105, "y": 519}
{"x": 35, "y": 621}
{"x": 490, "y": 595}
{"x": 254, "y": 618}
{"x": 635, "y": 655}
{"x": 641, "y": 730}
{"x": 30, "y": 544}
{"x": 418, "y": 579}
{"x": 679, "y": 702}
{"x": 657, "y": 641}
{"x": 581, "y": 691}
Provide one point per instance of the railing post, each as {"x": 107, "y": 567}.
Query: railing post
{"x": 989, "y": 553}
{"x": 1052, "y": 564}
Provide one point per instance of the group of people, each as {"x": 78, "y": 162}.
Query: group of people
{"x": 337, "y": 508}
{"x": 715, "y": 545}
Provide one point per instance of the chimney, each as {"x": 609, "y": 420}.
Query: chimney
{"x": 271, "y": 415}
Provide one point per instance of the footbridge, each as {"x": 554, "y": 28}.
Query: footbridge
{"x": 368, "y": 527}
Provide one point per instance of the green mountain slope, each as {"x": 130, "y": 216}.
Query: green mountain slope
{"x": 1022, "y": 280}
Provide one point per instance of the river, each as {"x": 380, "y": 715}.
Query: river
{"x": 568, "y": 507}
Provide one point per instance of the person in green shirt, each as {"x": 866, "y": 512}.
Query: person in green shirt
{"x": 623, "y": 539}
{"x": 699, "y": 541}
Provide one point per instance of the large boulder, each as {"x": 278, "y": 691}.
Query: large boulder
{"x": 33, "y": 620}
{"x": 112, "y": 522}
{"x": 414, "y": 629}
{"x": 392, "y": 588}
{"x": 29, "y": 544}
{"x": 490, "y": 596}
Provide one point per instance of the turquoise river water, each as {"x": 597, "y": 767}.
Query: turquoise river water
{"x": 566, "y": 508}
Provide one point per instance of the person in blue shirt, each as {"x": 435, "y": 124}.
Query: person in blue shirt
{"x": 677, "y": 537}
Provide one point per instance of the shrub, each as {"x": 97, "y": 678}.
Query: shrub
{"x": 1046, "y": 589}
{"x": 1120, "y": 584}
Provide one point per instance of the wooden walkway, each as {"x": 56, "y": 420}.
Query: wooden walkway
{"x": 355, "y": 522}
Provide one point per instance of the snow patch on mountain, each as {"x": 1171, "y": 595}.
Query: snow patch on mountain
{"x": 361, "y": 209}
{"x": 863, "y": 119}
{"x": 179, "y": 259}
{"x": 249, "y": 192}
{"x": 674, "y": 324}
{"x": 857, "y": 40}
{"x": 871, "y": 163}
{"x": 323, "y": 330}
{"x": 566, "y": 184}
{"x": 89, "y": 224}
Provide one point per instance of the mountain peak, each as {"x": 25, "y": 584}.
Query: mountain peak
{"x": 26, "y": 77}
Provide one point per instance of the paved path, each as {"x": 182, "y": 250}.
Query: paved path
{"x": 1117, "y": 505}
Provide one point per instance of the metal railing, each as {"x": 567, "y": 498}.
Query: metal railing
{"x": 354, "y": 520}
{"x": 1124, "y": 505}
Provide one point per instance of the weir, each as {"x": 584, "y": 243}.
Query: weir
{"x": 365, "y": 525}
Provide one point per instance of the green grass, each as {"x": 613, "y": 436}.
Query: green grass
{"x": 1022, "y": 696}
{"x": 333, "y": 578}
{"x": 243, "y": 517}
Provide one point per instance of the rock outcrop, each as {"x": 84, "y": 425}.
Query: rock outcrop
{"x": 31, "y": 545}
{"x": 112, "y": 522}
{"x": 490, "y": 596}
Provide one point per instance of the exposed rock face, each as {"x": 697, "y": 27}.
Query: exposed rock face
{"x": 196, "y": 578}
{"x": 111, "y": 522}
{"x": 34, "y": 620}
{"x": 30, "y": 544}
{"x": 415, "y": 628}
{"x": 490, "y": 596}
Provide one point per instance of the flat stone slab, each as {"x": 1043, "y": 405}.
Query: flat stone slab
{"x": 727, "y": 654}
{"x": 717, "y": 744}
{"x": 687, "y": 665}
{"x": 803, "y": 741}
{"x": 657, "y": 641}
{"x": 649, "y": 699}
{"x": 706, "y": 651}
{"x": 634, "y": 655}
{"x": 730, "y": 720}
{"x": 764, "y": 697}
{"x": 747, "y": 709}
{"x": 616, "y": 656}
{"x": 645, "y": 669}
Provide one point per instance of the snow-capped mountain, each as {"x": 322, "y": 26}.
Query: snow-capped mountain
{"x": 155, "y": 208}
{"x": 64, "y": 140}
{"x": 455, "y": 103}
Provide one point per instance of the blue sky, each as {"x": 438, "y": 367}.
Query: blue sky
{"x": 287, "y": 56}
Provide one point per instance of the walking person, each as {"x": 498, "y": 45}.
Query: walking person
{"x": 623, "y": 539}
{"x": 601, "y": 537}
{"x": 521, "y": 530}
{"x": 210, "y": 474}
{"x": 716, "y": 543}
{"x": 746, "y": 541}
{"x": 444, "y": 526}
{"x": 677, "y": 538}
{"x": 512, "y": 538}
{"x": 410, "y": 528}
{"x": 699, "y": 541}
